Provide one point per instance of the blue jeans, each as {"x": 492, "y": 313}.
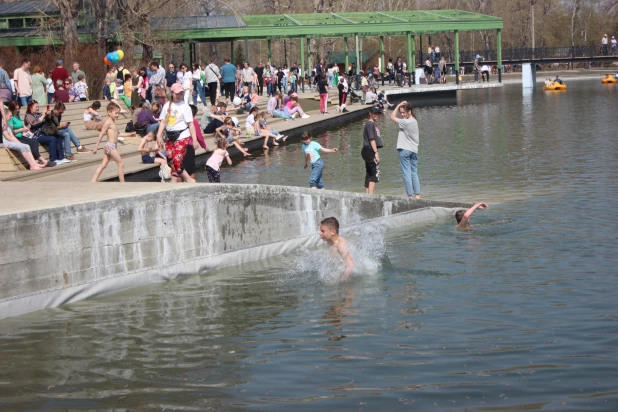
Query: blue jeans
{"x": 54, "y": 144}
{"x": 24, "y": 100}
{"x": 199, "y": 89}
{"x": 408, "y": 161}
{"x": 68, "y": 136}
{"x": 269, "y": 89}
{"x": 152, "y": 128}
{"x": 315, "y": 180}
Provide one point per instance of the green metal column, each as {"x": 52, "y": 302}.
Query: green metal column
{"x": 302, "y": 58}
{"x": 499, "y": 57}
{"x": 412, "y": 61}
{"x": 382, "y": 54}
{"x": 186, "y": 54}
{"x": 456, "y": 56}
{"x": 347, "y": 54}
{"x": 270, "y": 56}
{"x": 308, "y": 48}
{"x": 356, "y": 50}
{"x": 232, "y": 52}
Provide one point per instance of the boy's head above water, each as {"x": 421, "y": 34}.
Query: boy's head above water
{"x": 329, "y": 228}
{"x": 459, "y": 215}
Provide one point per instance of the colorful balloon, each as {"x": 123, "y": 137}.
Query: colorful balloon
{"x": 120, "y": 53}
{"x": 115, "y": 57}
{"x": 106, "y": 61}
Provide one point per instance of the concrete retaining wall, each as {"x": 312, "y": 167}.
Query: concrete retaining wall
{"x": 54, "y": 256}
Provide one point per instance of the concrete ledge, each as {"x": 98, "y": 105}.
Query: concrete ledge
{"x": 51, "y": 256}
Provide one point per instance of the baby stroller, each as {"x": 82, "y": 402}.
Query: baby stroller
{"x": 354, "y": 98}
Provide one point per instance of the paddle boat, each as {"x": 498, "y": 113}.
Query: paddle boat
{"x": 608, "y": 79}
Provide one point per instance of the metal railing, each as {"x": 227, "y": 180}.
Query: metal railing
{"x": 529, "y": 54}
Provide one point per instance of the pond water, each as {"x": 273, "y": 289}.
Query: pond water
{"x": 519, "y": 313}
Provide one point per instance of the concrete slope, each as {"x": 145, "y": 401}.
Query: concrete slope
{"x": 64, "y": 250}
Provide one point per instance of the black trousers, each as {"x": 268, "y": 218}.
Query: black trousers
{"x": 260, "y": 85}
{"x": 229, "y": 90}
{"x": 212, "y": 92}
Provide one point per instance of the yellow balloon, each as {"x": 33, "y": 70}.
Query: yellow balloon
{"x": 120, "y": 53}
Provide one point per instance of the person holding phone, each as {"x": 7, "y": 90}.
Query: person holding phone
{"x": 54, "y": 126}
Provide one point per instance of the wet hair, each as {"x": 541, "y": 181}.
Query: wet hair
{"x": 222, "y": 144}
{"x": 306, "y": 135}
{"x": 459, "y": 215}
{"x": 112, "y": 107}
{"x": 331, "y": 223}
{"x": 253, "y": 109}
{"x": 96, "y": 105}
{"x": 193, "y": 109}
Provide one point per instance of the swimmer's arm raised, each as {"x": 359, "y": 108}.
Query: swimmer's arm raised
{"x": 468, "y": 214}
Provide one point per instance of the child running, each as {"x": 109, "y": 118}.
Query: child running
{"x": 312, "y": 153}
{"x": 111, "y": 146}
{"x": 463, "y": 216}
{"x": 329, "y": 232}
{"x": 213, "y": 165}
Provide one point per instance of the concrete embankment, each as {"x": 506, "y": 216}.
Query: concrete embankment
{"x": 65, "y": 249}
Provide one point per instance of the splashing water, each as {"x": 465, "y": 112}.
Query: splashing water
{"x": 367, "y": 247}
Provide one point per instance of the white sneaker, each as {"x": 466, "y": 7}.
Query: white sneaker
{"x": 65, "y": 160}
{"x": 305, "y": 116}
{"x": 59, "y": 162}
{"x": 120, "y": 139}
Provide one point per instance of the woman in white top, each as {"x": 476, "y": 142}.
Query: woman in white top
{"x": 179, "y": 131}
{"x": 50, "y": 90}
{"x": 198, "y": 87}
{"x": 185, "y": 78}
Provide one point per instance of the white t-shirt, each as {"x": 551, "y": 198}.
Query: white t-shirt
{"x": 485, "y": 68}
{"x": 186, "y": 79}
{"x": 178, "y": 119}
{"x": 370, "y": 97}
{"x": 604, "y": 40}
{"x": 613, "y": 41}
{"x": 250, "y": 121}
{"x": 437, "y": 49}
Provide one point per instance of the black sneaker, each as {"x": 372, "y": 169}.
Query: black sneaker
{"x": 345, "y": 110}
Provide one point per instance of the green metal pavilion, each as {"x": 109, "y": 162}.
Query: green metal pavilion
{"x": 340, "y": 25}
{"x": 302, "y": 27}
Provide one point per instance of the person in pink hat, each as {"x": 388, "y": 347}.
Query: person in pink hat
{"x": 179, "y": 132}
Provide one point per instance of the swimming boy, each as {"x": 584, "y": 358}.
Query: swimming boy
{"x": 111, "y": 146}
{"x": 329, "y": 232}
{"x": 463, "y": 216}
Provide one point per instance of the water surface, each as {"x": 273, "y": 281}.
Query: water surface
{"x": 517, "y": 314}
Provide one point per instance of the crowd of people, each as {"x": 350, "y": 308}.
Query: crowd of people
{"x": 164, "y": 104}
